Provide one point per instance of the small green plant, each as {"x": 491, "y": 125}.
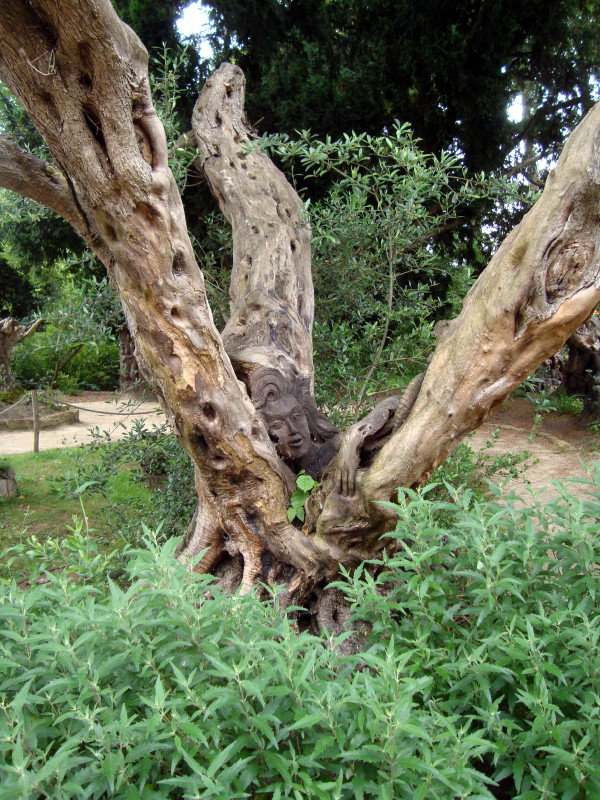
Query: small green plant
{"x": 544, "y": 404}
{"x": 143, "y": 452}
{"x": 567, "y": 404}
{"x": 125, "y": 676}
{"x": 474, "y": 470}
{"x": 5, "y": 466}
{"x": 298, "y": 499}
{"x": 12, "y": 395}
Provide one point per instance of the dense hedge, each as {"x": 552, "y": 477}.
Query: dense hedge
{"x": 479, "y": 676}
{"x": 93, "y": 367}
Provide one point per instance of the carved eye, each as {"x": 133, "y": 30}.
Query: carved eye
{"x": 276, "y": 425}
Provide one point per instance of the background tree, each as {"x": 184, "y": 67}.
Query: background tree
{"x": 39, "y": 250}
{"x": 17, "y": 295}
{"x": 310, "y": 64}
{"x": 11, "y": 333}
{"x": 357, "y": 65}
{"x": 77, "y": 347}
{"x": 82, "y": 78}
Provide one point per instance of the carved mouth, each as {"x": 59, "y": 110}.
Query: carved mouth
{"x": 295, "y": 441}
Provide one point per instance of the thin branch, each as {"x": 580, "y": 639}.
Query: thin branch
{"x": 533, "y": 182}
{"x": 527, "y": 163}
{"x": 543, "y": 111}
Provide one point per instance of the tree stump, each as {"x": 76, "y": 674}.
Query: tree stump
{"x": 8, "y": 481}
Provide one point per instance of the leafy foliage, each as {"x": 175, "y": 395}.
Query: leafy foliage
{"x": 378, "y": 250}
{"x": 497, "y": 613}
{"x": 145, "y": 453}
{"x": 474, "y": 470}
{"x": 167, "y": 94}
{"x": 298, "y": 499}
{"x": 77, "y": 347}
{"x": 450, "y": 69}
{"x": 478, "y": 675}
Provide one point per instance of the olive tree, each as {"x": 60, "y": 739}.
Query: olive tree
{"x": 82, "y": 76}
{"x": 11, "y": 333}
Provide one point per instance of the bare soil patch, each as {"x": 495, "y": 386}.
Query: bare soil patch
{"x": 105, "y": 411}
{"x": 562, "y": 448}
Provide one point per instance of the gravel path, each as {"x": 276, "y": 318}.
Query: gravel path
{"x": 562, "y": 449}
{"x": 116, "y": 415}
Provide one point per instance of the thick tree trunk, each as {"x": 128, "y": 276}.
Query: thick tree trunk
{"x": 82, "y": 76}
{"x": 129, "y": 371}
{"x": 11, "y": 333}
{"x": 581, "y": 371}
{"x": 83, "y": 79}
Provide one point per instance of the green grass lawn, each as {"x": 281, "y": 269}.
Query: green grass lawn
{"x": 39, "y": 511}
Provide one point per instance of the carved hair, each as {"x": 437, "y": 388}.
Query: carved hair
{"x": 268, "y": 384}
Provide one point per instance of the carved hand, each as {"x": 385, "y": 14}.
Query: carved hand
{"x": 346, "y": 466}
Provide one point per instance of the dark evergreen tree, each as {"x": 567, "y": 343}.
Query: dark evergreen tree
{"x": 17, "y": 295}
{"x": 337, "y": 65}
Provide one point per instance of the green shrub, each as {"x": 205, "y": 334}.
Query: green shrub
{"x": 158, "y": 691}
{"x": 12, "y": 395}
{"x": 76, "y": 347}
{"x": 565, "y": 403}
{"x": 145, "y": 452}
{"x": 478, "y": 678}
{"x": 379, "y": 206}
{"x": 94, "y": 367}
{"x": 496, "y": 612}
{"x": 474, "y": 470}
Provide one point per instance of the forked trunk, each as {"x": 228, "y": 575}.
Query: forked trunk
{"x": 83, "y": 79}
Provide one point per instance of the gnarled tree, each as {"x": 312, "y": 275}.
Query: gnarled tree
{"x": 11, "y": 333}
{"x": 82, "y": 76}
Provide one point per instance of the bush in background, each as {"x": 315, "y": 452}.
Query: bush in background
{"x": 93, "y": 367}
{"x": 76, "y": 348}
{"x": 153, "y": 455}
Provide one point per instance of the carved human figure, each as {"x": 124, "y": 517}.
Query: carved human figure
{"x": 307, "y": 440}
{"x": 289, "y": 429}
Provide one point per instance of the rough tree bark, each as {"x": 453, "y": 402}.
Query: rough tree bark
{"x": 129, "y": 371}
{"x": 82, "y": 77}
{"x": 581, "y": 370}
{"x": 11, "y": 333}
{"x": 83, "y": 81}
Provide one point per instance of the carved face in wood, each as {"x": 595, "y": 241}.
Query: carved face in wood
{"x": 288, "y": 427}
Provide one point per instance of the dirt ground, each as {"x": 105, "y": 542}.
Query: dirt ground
{"x": 561, "y": 449}
{"x": 103, "y": 410}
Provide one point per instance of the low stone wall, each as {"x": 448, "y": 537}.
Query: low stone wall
{"x": 66, "y": 417}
